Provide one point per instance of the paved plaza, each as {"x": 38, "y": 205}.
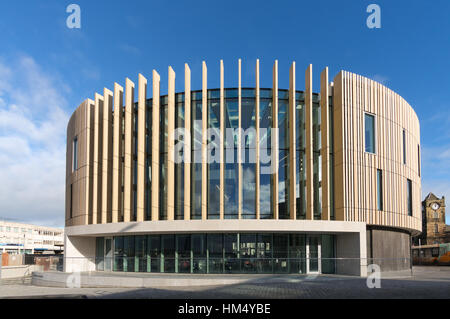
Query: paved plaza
{"x": 425, "y": 282}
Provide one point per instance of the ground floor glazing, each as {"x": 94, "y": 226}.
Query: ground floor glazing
{"x": 218, "y": 253}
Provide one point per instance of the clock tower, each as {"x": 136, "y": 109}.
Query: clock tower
{"x": 433, "y": 220}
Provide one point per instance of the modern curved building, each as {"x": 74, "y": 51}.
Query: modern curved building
{"x": 271, "y": 180}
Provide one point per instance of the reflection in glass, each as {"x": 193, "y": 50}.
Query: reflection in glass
{"x": 248, "y": 122}
{"x": 221, "y": 253}
{"x": 179, "y": 167}
{"x": 231, "y": 251}
{"x": 199, "y": 253}
{"x": 215, "y": 253}
{"x": 369, "y": 126}
{"x": 328, "y": 249}
{"x": 141, "y": 254}
{"x": 283, "y": 172}
{"x": 265, "y": 182}
{"x": 154, "y": 252}
{"x": 99, "y": 253}
{"x": 231, "y": 167}
{"x": 196, "y": 156}
{"x": 214, "y": 160}
{"x": 118, "y": 253}
{"x": 168, "y": 252}
{"x": 297, "y": 253}
{"x": 247, "y": 252}
{"x": 183, "y": 254}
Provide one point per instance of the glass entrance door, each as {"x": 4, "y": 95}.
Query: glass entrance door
{"x": 313, "y": 255}
{"x": 109, "y": 253}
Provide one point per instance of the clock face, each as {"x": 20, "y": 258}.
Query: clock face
{"x": 435, "y": 206}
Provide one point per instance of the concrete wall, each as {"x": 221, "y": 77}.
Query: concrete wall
{"x": 351, "y": 254}
{"x": 389, "y": 249}
{"x": 18, "y": 271}
{"x": 79, "y": 254}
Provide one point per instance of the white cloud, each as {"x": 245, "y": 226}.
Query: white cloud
{"x": 32, "y": 143}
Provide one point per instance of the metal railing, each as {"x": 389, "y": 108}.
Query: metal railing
{"x": 232, "y": 265}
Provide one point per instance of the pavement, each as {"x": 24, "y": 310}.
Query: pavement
{"x": 427, "y": 282}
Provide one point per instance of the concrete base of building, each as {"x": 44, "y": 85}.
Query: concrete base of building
{"x": 389, "y": 248}
{"x": 146, "y": 280}
{"x": 8, "y": 272}
{"x": 142, "y": 280}
{"x": 350, "y": 249}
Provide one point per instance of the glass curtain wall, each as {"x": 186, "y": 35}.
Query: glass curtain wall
{"x": 231, "y": 174}
{"x": 265, "y": 145}
{"x": 283, "y": 172}
{"x": 196, "y": 156}
{"x": 179, "y": 167}
{"x": 163, "y": 159}
{"x": 300, "y": 141}
{"x": 217, "y": 253}
{"x": 148, "y": 161}
{"x": 231, "y": 144}
{"x": 213, "y": 152}
{"x": 331, "y": 157}
{"x": 317, "y": 158}
{"x": 134, "y": 161}
{"x": 248, "y": 123}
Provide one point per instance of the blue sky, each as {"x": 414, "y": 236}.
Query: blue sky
{"x": 47, "y": 69}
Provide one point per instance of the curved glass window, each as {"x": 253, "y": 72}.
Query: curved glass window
{"x": 196, "y": 156}
{"x": 300, "y": 172}
{"x": 222, "y": 253}
{"x": 179, "y": 167}
{"x": 248, "y": 123}
{"x": 236, "y": 174}
{"x": 283, "y": 172}
{"x": 213, "y": 152}
{"x": 317, "y": 159}
{"x": 265, "y": 153}
{"x": 231, "y": 191}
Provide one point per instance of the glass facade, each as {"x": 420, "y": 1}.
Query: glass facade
{"x": 265, "y": 144}
{"x": 219, "y": 253}
{"x": 235, "y": 173}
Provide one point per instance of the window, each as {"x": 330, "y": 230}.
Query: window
{"x": 379, "y": 189}
{"x": 436, "y": 228}
{"x": 418, "y": 159}
{"x": 409, "y": 196}
{"x": 71, "y": 201}
{"x": 75, "y": 154}
{"x": 369, "y": 126}
{"x": 404, "y": 146}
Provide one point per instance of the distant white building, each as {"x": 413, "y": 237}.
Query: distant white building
{"x": 18, "y": 238}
